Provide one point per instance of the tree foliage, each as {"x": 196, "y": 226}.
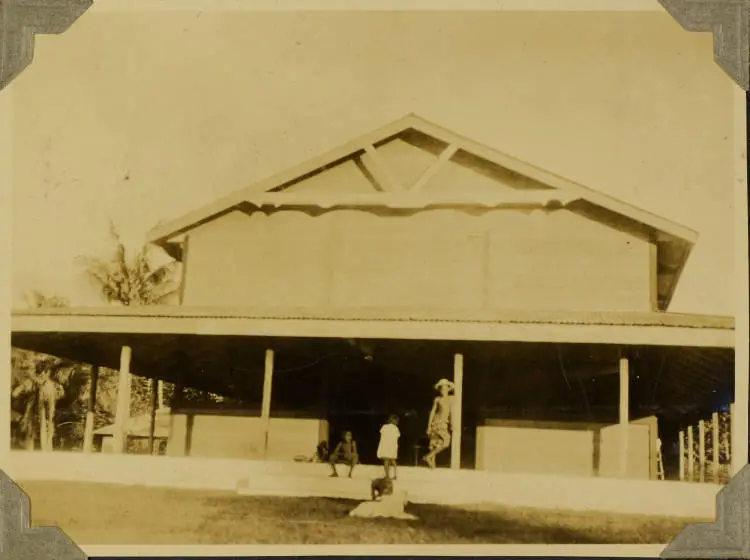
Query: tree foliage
{"x": 42, "y": 387}
{"x": 50, "y": 395}
{"x": 131, "y": 279}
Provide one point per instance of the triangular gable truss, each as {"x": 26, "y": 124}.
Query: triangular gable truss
{"x": 673, "y": 241}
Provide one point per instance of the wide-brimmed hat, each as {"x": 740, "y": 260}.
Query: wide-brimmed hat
{"x": 445, "y": 382}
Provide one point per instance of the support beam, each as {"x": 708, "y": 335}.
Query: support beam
{"x": 152, "y": 411}
{"x": 431, "y": 171}
{"x": 457, "y": 412}
{"x": 88, "y": 432}
{"x": 691, "y": 455}
{"x": 380, "y": 171}
{"x": 624, "y": 415}
{"x": 122, "y": 413}
{"x": 265, "y": 413}
{"x": 715, "y": 445}
{"x": 702, "y": 451}
{"x": 728, "y": 437}
{"x": 682, "y": 455}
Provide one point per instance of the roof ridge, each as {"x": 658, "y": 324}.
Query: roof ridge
{"x": 161, "y": 233}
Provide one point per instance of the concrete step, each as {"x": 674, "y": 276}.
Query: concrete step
{"x": 368, "y": 472}
{"x": 319, "y": 485}
{"x": 312, "y": 479}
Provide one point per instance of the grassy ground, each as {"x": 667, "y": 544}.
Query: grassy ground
{"x": 120, "y": 515}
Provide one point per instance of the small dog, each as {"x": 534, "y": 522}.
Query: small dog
{"x": 381, "y": 487}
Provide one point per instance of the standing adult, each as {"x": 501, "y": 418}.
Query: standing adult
{"x": 439, "y": 423}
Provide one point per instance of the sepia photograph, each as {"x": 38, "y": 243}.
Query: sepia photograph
{"x": 376, "y": 276}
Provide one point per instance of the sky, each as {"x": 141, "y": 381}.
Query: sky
{"x": 138, "y": 118}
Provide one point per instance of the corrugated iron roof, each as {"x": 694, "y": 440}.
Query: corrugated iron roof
{"x": 604, "y": 318}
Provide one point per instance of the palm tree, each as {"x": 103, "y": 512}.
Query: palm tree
{"x": 131, "y": 281}
{"x": 37, "y": 384}
{"x": 128, "y": 281}
{"x": 39, "y": 391}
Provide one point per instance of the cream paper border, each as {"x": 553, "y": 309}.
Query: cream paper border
{"x": 581, "y": 550}
{"x": 379, "y": 5}
{"x": 741, "y": 269}
{"x": 6, "y": 198}
{"x": 741, "y": 272}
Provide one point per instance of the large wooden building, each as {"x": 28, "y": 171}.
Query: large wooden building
{"x": 339, "y": 291}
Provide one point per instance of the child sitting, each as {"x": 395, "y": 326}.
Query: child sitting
{"x": 320, "y": 455}
{"x": 381, "y": 487}
{"x": 345, "y": 453}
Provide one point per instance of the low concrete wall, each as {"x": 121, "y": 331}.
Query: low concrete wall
{"x": 441, "y": 486}
{"x": 639, "y": 451}
{"x": 227, "y": 435}
{"x": 563, "y": 448}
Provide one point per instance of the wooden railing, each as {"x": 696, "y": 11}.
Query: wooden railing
{"x": 706, "y": 450}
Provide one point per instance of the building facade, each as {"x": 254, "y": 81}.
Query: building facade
{"x": 337, "y": 292}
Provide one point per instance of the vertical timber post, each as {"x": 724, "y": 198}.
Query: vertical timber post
{"x": 122, "y": 414}
{"x": 702, "y": 451}
{"x": 457, "y": 412}
{"x": 728, "y": 438}
{"x": 265, "y": 412}
{"x": 152, "y": 414}
{"x": 715, "y": 445}
{"x": 88, "y": 432}
{"x": 624, "y": 415}
{"x": 691, "y": 456}
{"x": 682, "y": 455}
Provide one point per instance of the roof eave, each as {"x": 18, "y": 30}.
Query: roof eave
{"x": 163, "y": 234}
{"x": 666, "y": 297}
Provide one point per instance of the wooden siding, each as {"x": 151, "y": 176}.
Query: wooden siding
{"x": 431, "y": 259}
{"x": 434, "y": 259}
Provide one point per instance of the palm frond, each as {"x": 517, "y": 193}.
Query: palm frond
{"x": 133, "y": 281}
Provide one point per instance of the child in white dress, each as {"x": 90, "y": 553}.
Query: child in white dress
{"x": 388, "y": 447}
